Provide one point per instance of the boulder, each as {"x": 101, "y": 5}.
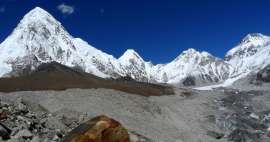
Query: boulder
{"x": 99, "y": 129}
{"x": 20, "y": 105}
{"x": 25, "y": 134}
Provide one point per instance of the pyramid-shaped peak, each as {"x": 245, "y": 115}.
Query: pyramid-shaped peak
{"x": 37, "y": 12}
{"x": 39, "y": 22}
{"x": 130, "y": 54}
{"x": 37, "y": 15}
{"x": 40, "y": 34}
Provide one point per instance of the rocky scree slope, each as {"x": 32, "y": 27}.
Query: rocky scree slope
{"x": 22, "y": 121}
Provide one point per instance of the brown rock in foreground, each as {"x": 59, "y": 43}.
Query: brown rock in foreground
{"x": 98, "y": 129}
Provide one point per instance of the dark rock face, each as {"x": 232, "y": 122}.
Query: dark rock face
{"x": 189, "y": 81}
{"x": 23, "y": 65}
{"x": 125, "y": 78}
{"x": 264, "y": 75}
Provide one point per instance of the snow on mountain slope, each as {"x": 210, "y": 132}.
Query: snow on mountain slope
{"x": 98, "y": 62}
{"x": 252, "y": 54}
{"x": 40, "y": 38}
{"x": 201, "y": 65}
{"x": 247, "y": 58}
{"x": 135, "y": 67}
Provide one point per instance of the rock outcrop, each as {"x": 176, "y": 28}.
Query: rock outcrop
{"x": 264, "y": 74}
{"x": 99, "y": 129}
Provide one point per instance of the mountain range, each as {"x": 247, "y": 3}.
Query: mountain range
{"x": 39, "y": 38}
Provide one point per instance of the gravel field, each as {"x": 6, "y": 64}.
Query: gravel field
{"x": 171, "y": 118}
{"x": 189, "y": 116}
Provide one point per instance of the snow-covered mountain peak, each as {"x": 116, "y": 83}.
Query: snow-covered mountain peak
{"x": 249, "y": 46}
{"x": 130, "y": 54}
{"x": 37, "y": 39}
{"x": 253, "y": 37}
{"x": 205, "y": 54}
{"x": 37, "y": 16}
{"x": 251, "y": 54}
{"x": 192, "y": 54}
{"x": 38, "y": 25}
{"x": 135, "y": 67}
{"x": 38, "y": 10}
{"x": 190, "y": 51}
{"x": 37, "y": 13}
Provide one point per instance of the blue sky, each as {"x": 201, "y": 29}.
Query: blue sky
{"x": 159, "y": 30}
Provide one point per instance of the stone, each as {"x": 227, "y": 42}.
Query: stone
{"x": 98, "y": 129}
{"x": 53, "y": 122}
{"x": 3, "y": 115}
{"x": 20, "y": 106}
{"x": 36, "y": 139}
{"x": 5, "y": 132}
{"x": 26, "y": 134}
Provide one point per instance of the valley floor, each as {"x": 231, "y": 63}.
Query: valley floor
{"x": 187, "y": 116}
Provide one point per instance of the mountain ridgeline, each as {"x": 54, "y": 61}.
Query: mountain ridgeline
{"x": 39, "y": 38}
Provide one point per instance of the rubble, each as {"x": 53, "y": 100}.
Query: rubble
{"x": 20, "y": 124}
{"x": 242, "y": 120}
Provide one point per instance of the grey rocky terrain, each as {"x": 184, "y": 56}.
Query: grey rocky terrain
{"x": 189, "y": 116}
{"x": 152, "y": 118}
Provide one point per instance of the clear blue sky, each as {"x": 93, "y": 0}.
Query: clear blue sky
{"x": 158, "y": 30}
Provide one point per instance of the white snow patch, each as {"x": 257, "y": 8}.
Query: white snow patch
{"x": 226, "y": 83}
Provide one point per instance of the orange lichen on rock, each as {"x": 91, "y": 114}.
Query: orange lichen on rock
{"x": 99, "y": 129}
